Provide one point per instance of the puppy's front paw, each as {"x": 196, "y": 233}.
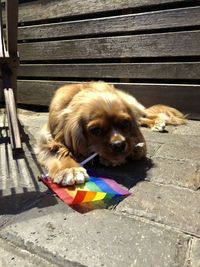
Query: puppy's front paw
{"x": 159, "y": 127}
{"x": 71, "y": 176}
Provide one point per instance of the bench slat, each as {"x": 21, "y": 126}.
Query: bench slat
{"x": 42, "y": 10}
{"x": 144, "y": 45}
{"x": 181, "y": 17}
{"x": 184, "y": 97}
{"x": 182, "y": 70}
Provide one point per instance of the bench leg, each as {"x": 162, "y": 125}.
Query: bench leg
{"x": 12, "y": 119}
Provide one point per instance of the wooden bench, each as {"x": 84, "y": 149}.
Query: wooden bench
{"x": 9, "y": 61}
{"x": 148, "y": 48}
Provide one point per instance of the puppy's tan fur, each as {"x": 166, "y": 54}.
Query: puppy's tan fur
{"x": 95, "y": 117}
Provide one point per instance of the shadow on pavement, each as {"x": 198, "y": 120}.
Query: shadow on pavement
{"x": 19, "y": 188}
{"x": 128, "y": 174}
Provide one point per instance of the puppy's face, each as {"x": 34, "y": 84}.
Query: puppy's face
{"x": 112, "y": 133}
{"x": 102, "y": 120}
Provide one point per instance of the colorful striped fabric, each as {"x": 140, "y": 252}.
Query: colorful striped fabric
{"x": 95, "y": 189}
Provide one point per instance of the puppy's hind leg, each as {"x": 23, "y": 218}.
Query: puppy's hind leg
{"x": 158, "y": 116}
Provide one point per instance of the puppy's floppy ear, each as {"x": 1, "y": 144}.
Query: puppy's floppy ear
{"x": 68, "y": 129}
{"x": 137, "y": 109}
{"x": 74, "y": 136}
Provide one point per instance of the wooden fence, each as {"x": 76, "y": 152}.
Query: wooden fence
{"x": 150, "y": 48}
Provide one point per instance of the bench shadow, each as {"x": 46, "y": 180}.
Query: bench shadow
{"x": 16, "y": 203}
{"x": 17, "y": 168}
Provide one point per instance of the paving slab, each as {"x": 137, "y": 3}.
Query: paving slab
{"x": 32, "y": 122}
{"x": 170, "y": 138}
{"x": 13, "y": 203}
{"x": 152, "y": 148}
{"x": 10, "y": 255}
{"x": 98, "y": 238}
{"x": 190, "y": 128}
{"x": 168, "y": 205}
{"x": 180, "y": 152}
{"x": 176, "y": 172}
{"x": 195, "y": 253}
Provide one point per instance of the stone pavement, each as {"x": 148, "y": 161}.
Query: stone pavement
{"x": 158, "y": 225}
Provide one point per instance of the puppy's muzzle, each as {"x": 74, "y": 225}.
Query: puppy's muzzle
{"x": 118, "y": 147}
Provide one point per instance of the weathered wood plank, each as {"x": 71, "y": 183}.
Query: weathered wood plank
{"x": 144, "y": 45}
{"x": 35, "y": 92}
{"x": 181, "y": 17}
{"x": 43, "y": 9}
{"x": 183, "y": 70}
{"x": 184, "y": 97}
{"x": 181, "y": 96}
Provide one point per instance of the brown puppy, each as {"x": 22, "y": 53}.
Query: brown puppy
{"x": 88, "y": 118}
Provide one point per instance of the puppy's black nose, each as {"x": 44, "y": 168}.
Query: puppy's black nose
{"x": 118, "y": 146}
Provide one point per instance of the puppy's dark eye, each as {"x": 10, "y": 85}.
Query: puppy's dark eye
{"x": 97, "y": 131}
{"x": 125, "y": 124}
